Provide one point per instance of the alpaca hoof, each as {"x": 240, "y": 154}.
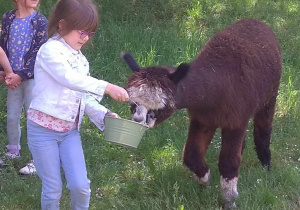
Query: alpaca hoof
{"x": 204, "y": 181}
{"x": 267, "y": 166}
{"x": 229, "y": 205}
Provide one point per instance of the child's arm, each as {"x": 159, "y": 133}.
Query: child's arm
{"x": 4, "y": 62}
{"x": 11, "y": 79}
{"x": 5, "y": 65}
{"x": 95, "y": 111}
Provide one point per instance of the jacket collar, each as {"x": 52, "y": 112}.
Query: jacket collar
{"x": 12, "y": 14}
{"x": 59, "y": 38}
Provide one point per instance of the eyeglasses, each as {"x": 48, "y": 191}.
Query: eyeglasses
{"x": 84, "y": 34}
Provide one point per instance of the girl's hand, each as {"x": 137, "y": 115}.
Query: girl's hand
{"x": 112, "y": 114}
{"x": 13, "y": 80}
{"x": 117, "y": 93}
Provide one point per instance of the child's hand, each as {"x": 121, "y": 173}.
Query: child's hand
{"x": 112, "y": 114}
{"x": 117, "y": 93}
{"x": 13, "y": 80}
{"x": 2, "y": 76}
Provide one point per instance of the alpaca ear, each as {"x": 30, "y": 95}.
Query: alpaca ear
{"x": 130, "y": 61}
{"x": 180, "y": 73}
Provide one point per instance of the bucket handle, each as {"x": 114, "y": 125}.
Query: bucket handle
{"x": 94, "y": 96}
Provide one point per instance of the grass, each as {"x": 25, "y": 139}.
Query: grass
{"x": 164, "y": 32}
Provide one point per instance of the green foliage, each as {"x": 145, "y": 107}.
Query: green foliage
{"x": 168, "y": 32}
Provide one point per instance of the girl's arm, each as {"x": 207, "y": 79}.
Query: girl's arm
{"x": 95, "y": 112}
{"x": 5, "y": 63}
{"x": 12, "y": 80}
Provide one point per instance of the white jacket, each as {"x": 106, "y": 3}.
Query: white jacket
{"x": 63, "y": 84}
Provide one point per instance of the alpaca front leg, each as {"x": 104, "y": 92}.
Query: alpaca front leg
{"x": 195, "y": 149}
{"x": 229, "y": 163}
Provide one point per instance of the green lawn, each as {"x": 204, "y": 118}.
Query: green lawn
{"x": 168, "y": 32}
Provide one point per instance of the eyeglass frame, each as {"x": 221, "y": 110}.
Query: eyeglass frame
{"x": 84, "y": 34}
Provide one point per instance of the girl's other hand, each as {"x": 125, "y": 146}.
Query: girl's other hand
{"x": 117, "y": 93}
{"x": 112, "y": 114}
{"x": 13, "y": 80}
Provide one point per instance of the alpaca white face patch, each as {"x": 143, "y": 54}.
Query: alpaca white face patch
{"x": 147, "y": 99}
{"x": 152, "y": 98}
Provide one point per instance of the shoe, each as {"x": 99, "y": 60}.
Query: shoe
{"x": 29, "y": 169}
{"x": 11, "y": 155}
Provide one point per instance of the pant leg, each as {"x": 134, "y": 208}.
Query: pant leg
{"x": 73, "y": 163}
{"x": 27, "y": 91}
{"x": 15, "y": 101}
{"x": 44, "y": 146}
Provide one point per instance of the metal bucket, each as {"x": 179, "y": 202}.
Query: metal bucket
{"x": 123, "y": 132}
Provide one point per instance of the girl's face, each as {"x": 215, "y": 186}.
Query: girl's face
{"x": 76, "y": 38}
{"x": 28, "y": 4}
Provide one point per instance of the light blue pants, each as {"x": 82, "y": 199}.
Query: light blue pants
{"x": 52, "y": 150}
{"x": 16, "y": 99}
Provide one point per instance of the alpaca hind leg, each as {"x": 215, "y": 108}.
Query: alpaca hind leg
{"x": 199, "y": 138}
{"x": 262, "y": 132}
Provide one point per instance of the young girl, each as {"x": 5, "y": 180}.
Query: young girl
{"x": 23, "y": 32}
{"x": 62, "y": 95}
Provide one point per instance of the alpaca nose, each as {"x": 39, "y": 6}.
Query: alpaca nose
{"x": 140, "y": 114}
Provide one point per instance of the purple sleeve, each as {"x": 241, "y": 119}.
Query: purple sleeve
{"x": 40, "y": 38}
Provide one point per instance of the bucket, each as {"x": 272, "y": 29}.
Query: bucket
{"x": 123, "y": 132}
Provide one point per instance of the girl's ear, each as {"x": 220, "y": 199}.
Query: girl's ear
{"x": 61, "y": 24}
{"x": 131, "y": 61}
{"x": 180, "y": 73}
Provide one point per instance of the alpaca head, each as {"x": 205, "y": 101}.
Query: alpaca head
{"x": 152, "y": 91}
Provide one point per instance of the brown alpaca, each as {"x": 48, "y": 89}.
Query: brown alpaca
{"x": 234, "y": 77}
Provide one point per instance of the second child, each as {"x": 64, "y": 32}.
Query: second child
{"x": 23, "y": 32}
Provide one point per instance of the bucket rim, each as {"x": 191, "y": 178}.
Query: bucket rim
{"x": 130, "y": 121}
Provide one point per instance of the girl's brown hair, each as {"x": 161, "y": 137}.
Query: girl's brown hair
{"x": 76, "y": 14}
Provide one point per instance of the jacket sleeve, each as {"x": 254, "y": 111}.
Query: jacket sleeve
{"x": 40, "y": 38}
{"x": 95, "y": 111}
{"x": 3, "y": 29}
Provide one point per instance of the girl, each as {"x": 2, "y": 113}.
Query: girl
{"x": 23, "y": 32}
{"x": 61, "y": 96}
